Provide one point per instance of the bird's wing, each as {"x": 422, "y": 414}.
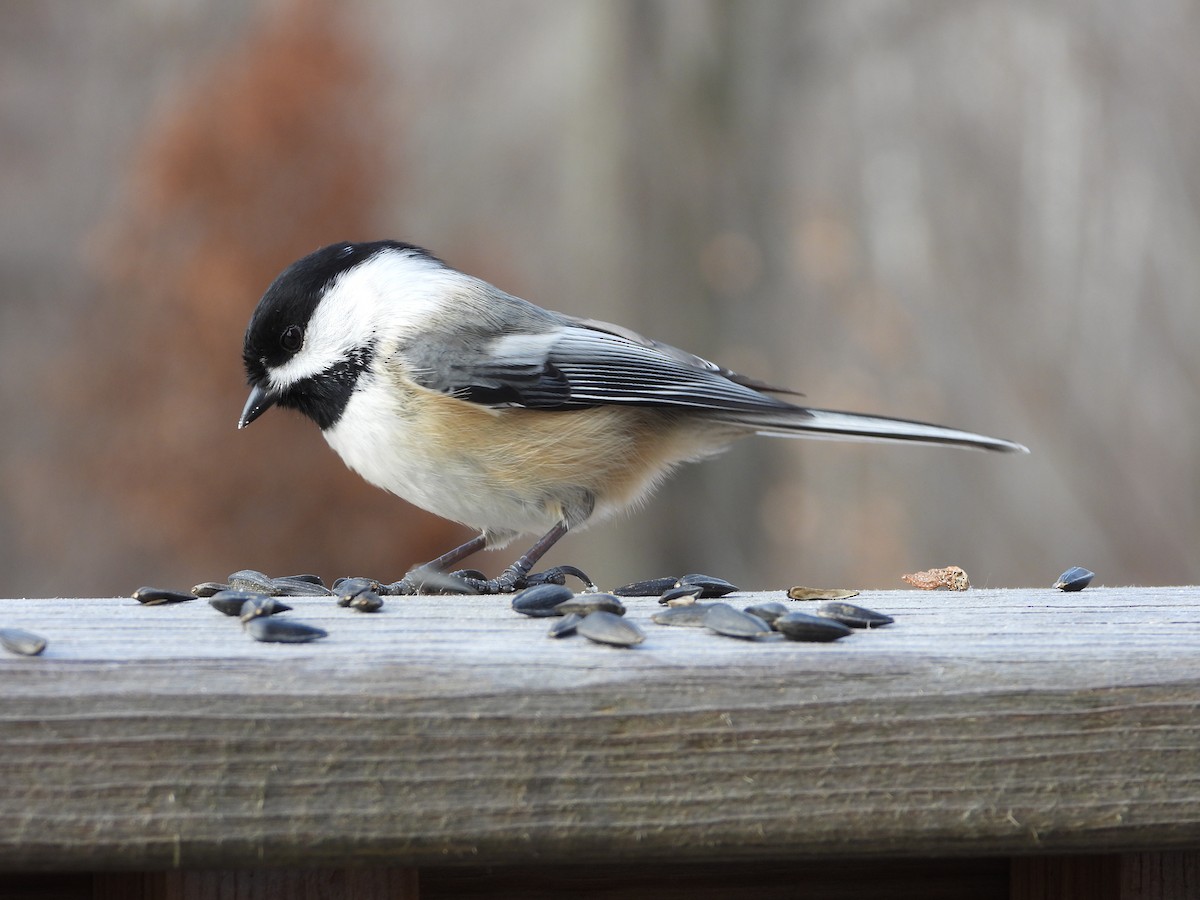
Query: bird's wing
{"x": 576, "y": 363}
{"x": 548, "y": 361}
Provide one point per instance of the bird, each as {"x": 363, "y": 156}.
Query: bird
{"x": 488, "y": 410}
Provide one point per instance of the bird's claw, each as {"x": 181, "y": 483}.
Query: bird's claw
{"x": 423, "y": 580}
{"x": 558, "y": 575}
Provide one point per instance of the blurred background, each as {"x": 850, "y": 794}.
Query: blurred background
{"x": 983, "y": 214}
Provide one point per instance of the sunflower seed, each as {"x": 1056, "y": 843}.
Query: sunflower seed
{"x": 294, "y": 586}
{"x": 768, "y": 611}
{"x": 798, "y": 626}
{"x": 282, "y": 631}
{"x": 606, "y": 628}
{"x": 367, "y": 601}
{"x": 691, "y": 616}
{"x": 151, "y": 596}
{"x": 586, "y": 604}
{"x": 21, "y": 642}
{"x": 346, "y": 589}
{"x": 851, "y": 615}
{"x": 684, "y": 595}
{"x": 1075, "y": 578}
{"x": 230, "y": 602}
{"x": 713, "y": 586}
{"x": 724, "y": 619}
{"x": 565, "y": 626}
{"x": 251, "y": 580}
{"x": 259, "y": 607}
{"x": 208, "y": 588}
{"x": 540, "y": 601}
{"x": 311, "y": 579}
{"x": 651, "y": 588}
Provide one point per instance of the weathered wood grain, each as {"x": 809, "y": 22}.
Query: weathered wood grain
{"x": 451, "y": 729}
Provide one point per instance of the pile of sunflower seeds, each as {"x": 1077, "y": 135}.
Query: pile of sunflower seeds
{"x": 252, "y": 597}
{"x": 598, "y": 617}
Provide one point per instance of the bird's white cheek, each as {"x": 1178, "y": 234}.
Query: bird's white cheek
{"x": 305, "y": 364}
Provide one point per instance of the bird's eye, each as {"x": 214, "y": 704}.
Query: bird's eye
{"x": 292, "y": 338}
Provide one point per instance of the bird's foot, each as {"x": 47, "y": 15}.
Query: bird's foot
{"x": 424, "y": 580}
{"x": 470, "y": 581}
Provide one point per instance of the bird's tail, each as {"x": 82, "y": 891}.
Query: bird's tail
{"x": 830, "y": 424}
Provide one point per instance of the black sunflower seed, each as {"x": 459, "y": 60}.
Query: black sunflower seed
{"x": 251, "y": 580}
{"x": 713, "y": 586}
{"x": 798, "y": 626}
{"x": 230, "y": 602}
{"x": 21, "y": 642}
{"x": 258, "y": 607}
{"x": 681, "y": 595}
{"x": 208, "y": 588}
{"x": 271, "y": 630}
{"x": 606, "y": 628}
{"x": 1075, "y": 578}
{"x": 724, "y": 619}
{"x": 650, "y": 588}
{"x": 768, "y": 611}
{"x": 565, "y": 626}
{"x": 294, "y": 586}
{"x": 691, "y": 616}
{"x": 152, "y": 596}
{"x": 851, "y": 615}
{"x": 586, "y": 604}
{"x": 540, "y": 601}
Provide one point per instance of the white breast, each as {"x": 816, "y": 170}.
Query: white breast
{"x": 378, "y": 438}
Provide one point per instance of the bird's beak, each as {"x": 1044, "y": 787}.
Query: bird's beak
{"x": 257, "y": 403}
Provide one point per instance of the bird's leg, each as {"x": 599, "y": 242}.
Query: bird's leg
{"x": 517, "y": 575}
{"x": 432, "y": 577}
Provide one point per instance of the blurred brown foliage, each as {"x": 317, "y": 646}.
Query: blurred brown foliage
{"x": 975, "y": 214}
{"x": 263, "y": 159}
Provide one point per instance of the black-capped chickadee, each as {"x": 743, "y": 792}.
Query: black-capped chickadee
{"x": 488, "y": 410}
